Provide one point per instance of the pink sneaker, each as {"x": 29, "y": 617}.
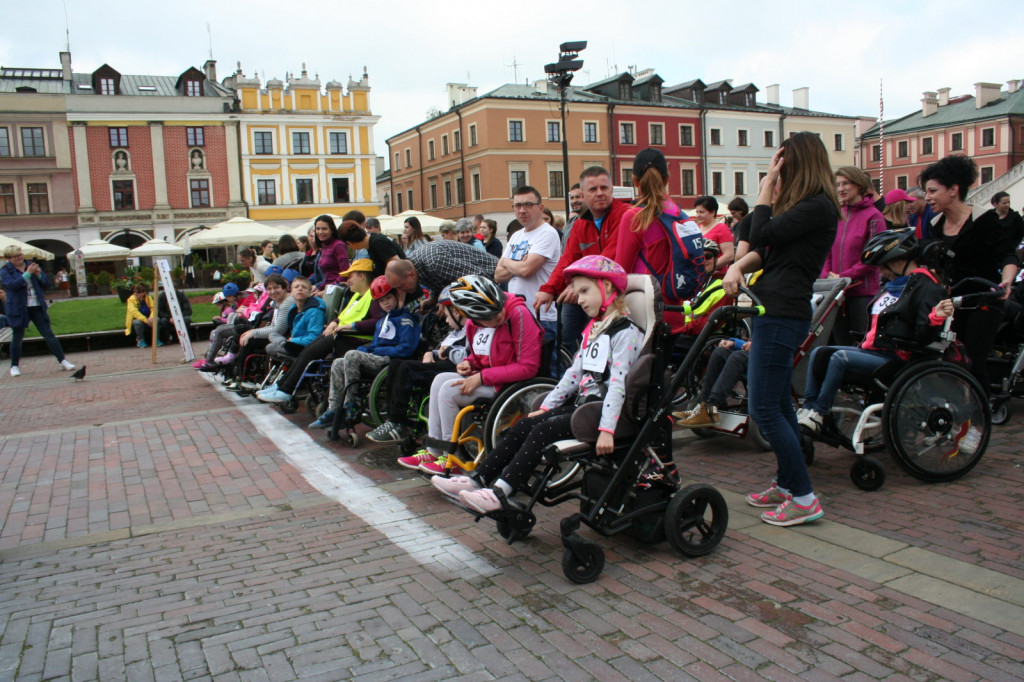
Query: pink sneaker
{"x": 199, "y": 364}
{"x": 772, "y": 497}
{"x": 453, "y": 486}
{"x": 438, "y": 467}
{"x": 789, "y": 513}
{"x": 482, "y": 501}
{"x": 414, "y": 461}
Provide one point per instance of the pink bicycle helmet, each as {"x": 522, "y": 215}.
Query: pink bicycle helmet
{"x": 599, "y": 267}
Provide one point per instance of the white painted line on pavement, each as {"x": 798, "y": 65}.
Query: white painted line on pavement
{"x": 335, "y": 479}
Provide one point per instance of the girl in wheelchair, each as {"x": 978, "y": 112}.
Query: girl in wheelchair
{"x": 611, "y": 344}
{"x": 410, "y": 372}
{"x": 505, "y": 347}
{"x": 908, "y": 312}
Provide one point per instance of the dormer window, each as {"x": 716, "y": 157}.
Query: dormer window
{"x": 624, "y": 90}
{"x": 107, "y": 86}
{"x": 193, "y": 89}
{"x": 106, "y": 81}
{"x": 655, "y": 92}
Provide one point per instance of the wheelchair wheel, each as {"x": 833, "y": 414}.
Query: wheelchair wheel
{"x": 867, "y": 473}
{"x": 1001, "y": 414}
{"x": 696, "y": 520}
{"x": 936, "y": 421}
{"x": 512, "y": 404}
{"x": 378, "y": 402}
{"x": 582, "y": 561}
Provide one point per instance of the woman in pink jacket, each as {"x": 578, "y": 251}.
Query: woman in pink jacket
{"x": 859, "y": 222}
{"x": 504, "y": 347}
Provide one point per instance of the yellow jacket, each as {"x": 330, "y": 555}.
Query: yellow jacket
{"x": 134, "y": 314}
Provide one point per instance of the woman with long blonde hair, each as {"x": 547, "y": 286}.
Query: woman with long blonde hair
{"x": 792, "y": 229}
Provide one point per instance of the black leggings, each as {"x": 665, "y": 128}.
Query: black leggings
{"x": 976, "y": 329}
{"x": 405, "y": 374}
{"x": 518, "y": 453}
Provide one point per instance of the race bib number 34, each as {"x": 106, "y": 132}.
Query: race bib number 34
{"x": 482, "y": 341}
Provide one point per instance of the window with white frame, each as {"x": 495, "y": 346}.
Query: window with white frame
{"x": 715, "y": 135}
{"x": 338, "y": 142}
{"x": 340, "y": 191}
{"x": 716, "y": 183}
{"x": 590, "y": 132}
{"x": 743, "y": 138}
{"x": 554, "y": 130}
{"x": 5, "y": 142}
{"x": 515, "y": 131}
{"x": 627, "y": 133}
{"x": 200, "y": 193}
{"x": 303, "y": 191}
{"x": 32, "y": 143}
{"x": 263, "y": 142}
{"x": 266, "y": 192}
{"x": 657, "y": 134}
{"x": 739, "y": 180}
{"x": 7, "y": 203}
{"x": 194, "y": 136}
{"x": 300, "y": 143}
{"x": 118, "y": 137}
{"x": 124, "y": 195}
{"x": 685, "y": 135}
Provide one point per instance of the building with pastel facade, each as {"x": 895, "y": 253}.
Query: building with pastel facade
{"x": 305, "y": 149}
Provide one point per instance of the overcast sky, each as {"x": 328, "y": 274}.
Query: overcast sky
{"x": 412, "y": 49}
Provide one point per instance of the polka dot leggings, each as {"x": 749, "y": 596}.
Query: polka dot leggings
{"x": 518, "y": 453}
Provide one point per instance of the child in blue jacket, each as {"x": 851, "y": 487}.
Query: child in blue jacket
{"x": 397, "y": 335}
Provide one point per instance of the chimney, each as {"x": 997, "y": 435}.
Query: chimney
{"x": 772, "y": 93}
{"x": 943, "y": 96}
{"x": 210, "y": 69}
{"x": 802, "y": 98}
{"x": 929, "y": 104}
{"x": 1011, "y": 86}
{"x": 459, "y": 93}
{"x": 541, "y": 86}
{"x": 986, "y": 93}
{"x": 65, "y": 65}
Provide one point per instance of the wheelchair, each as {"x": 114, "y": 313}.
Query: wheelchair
{"x": 479, "y": 425}
{"x": 635, "y": 490}
{"x": 932, "y": 414}
{"x": 733, "y": 419}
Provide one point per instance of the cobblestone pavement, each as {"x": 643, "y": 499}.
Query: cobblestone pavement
{"x": 157, "y": 528}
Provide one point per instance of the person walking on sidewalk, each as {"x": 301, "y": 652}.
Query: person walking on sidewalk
{"x": 25, "y": 284}
{"x": 792, "y": 230}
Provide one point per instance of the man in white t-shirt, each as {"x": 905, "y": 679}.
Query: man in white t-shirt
{"x": 531, "y": 254}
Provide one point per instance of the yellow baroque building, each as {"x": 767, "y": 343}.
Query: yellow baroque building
{"x": 305, "y": 150}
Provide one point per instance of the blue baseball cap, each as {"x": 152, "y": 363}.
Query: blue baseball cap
{"x": 230, "y": 289}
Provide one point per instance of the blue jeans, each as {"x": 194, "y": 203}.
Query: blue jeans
{"x": 769, "y": 392}
{"x": 550, "y": 334}
{"x": 41, "y": 320}
{"x": 574, "y": 320}
{"x": 820, "y": 392}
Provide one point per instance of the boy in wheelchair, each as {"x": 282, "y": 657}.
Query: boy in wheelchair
{"x": 505, "y": 347}
{"x": 908, "y": 313}
{"x": 406, "y": 373}
{"x": 727, "y": 366}
{"x": 397, "y": 335}
{"x": 611, "y": 344}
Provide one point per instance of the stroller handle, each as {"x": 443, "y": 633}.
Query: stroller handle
{"x": 989, "y": 291}
{"x": 755, "y": 310}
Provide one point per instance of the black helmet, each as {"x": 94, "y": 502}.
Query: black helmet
{"x": 477, "y": 297}
{"x": 899, "y": 244}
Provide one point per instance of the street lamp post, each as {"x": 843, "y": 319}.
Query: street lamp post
{"x": 560, "y": 75}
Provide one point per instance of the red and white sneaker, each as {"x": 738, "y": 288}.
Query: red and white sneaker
{"x": 439, "y": 467}
{"x": 772, "y": 497}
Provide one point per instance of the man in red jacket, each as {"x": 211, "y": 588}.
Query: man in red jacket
{"x": 593, "y": 233}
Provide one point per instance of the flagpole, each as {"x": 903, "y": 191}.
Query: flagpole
{"x": 881, "y": 137}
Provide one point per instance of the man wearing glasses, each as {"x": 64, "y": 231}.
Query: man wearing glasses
{"x": 530, "y": 256}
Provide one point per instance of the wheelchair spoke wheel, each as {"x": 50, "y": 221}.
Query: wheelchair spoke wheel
{"x": 696, "y": 520}
{"x": 379, "y": 398}
{"x": 511, "y": 405}
{"x": 582, "y": 561}
{"x": 937, "y": 421}
{"x": 867, "y": 473}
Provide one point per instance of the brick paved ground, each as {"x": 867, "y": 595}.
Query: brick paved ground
{"x": 150, "y": 532}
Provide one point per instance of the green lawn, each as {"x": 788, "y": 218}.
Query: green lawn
{"x": 74, "y": 315}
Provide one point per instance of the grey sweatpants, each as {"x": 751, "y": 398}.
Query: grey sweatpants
{"x": 355, "y": 365}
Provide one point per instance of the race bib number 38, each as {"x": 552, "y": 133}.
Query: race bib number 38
{"x": 595, "y": 355}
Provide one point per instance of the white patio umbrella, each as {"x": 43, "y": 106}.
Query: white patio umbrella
{"x": 157, "y": 247}
{"x": 234, "y": 232}
{"x": 303, "y": 229}
{"x": 395, "y": 224}
{"x": 99, "y": 249}
{"x": 33, "y": 252}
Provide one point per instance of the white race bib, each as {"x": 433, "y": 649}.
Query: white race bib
{"x": 595, "y": 354}
{"x": 883, "y": 302}
{"x": 387, "y": 330}
{"x": 482, "y": 341}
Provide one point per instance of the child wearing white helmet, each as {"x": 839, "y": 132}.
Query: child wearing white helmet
{"x": 611, "y": 344}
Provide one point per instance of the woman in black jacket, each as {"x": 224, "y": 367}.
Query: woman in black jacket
{"x": 792, "y": 230}
{"x": 981, "y": 248}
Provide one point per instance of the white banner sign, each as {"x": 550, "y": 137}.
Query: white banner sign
{"x": 172, "y": 304}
